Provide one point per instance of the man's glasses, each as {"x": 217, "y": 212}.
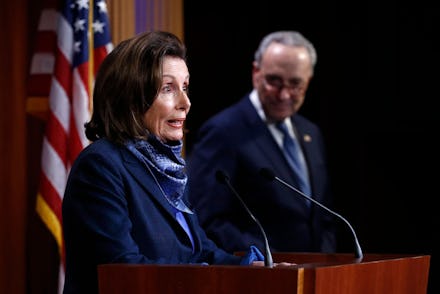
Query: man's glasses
{"x": 276, "y": 83}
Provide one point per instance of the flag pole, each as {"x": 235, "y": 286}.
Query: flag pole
{"x": 91, "y": 55}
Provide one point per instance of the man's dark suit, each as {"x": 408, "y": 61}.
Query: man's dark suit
{"x": 238, "y": 142}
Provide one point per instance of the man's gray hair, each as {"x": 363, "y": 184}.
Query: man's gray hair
{"x": 289, "y": 38}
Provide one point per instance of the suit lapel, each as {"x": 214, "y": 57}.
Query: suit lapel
{"x": 268, "y": 150}
{"x": 145, "y": 179}
{"x": 305, "y": 140}
{"x": 263, "y": 139}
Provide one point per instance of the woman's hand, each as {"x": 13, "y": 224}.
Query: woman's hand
{"x": 277, "y": 264}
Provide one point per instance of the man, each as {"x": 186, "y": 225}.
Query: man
{"x": 244, "y": 138}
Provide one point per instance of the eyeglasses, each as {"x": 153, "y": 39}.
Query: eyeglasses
{"x": 276, "y": 83}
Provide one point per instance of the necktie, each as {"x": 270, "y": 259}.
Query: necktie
{"x": 292, "y": 152}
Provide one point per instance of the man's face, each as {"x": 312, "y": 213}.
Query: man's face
{"x": 282, "y": 79}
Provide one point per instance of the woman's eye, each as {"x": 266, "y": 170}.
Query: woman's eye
{"x": 171, "y": 88}
{"x": 167, "y": 88}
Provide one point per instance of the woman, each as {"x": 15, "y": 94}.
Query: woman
{"x": 125, "y": 197}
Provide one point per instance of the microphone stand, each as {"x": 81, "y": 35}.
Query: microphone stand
{"x": 223, "y": 178}
{"x": 268, "y": 174}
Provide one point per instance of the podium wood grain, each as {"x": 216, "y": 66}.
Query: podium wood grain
{"x": 314, "y": 273}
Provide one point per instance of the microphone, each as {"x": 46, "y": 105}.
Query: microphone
{"x": 223, "y": 178}
{"x": 270, "y": 176}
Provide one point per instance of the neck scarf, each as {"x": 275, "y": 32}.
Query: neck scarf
{"x": 167, "y": 166}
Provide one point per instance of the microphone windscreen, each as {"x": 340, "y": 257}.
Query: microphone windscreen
{"x": 267, "y": 173}
{"x": 221, "y": 176}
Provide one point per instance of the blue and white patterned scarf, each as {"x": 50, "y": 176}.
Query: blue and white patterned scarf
{"x": 167, "y": 166}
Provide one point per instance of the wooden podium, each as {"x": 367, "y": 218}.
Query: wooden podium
{"x": 314, "y": 273}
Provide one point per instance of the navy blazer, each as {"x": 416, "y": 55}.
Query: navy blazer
{"x": 114, "y": 212}
{"x": 238, "y": 142}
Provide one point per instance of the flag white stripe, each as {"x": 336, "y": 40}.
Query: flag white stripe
{"x": 109, "y": 47}
{"x": 42, "y": 63}
{"x": 80, "y": 106}
{"x": 61, "y": 279}
{"x": 59, "y": 106}
{"x": 48, "y": 20}
{"x": 53, "y": 167}
{"x": 65, "y": 39}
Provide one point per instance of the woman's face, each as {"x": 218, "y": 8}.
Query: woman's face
{"x": 166, "y": 116}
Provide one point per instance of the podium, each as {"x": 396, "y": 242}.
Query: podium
{"x": 314, "y": 273}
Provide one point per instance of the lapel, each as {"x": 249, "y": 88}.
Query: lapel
{"x": 269, "y": 154}
{"x": 305, "y": 139}
{"x": 261, "y": 135}
{"x": 146, "y": 180}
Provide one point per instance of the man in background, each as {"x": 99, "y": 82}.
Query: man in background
{"x": 258, "y": 132}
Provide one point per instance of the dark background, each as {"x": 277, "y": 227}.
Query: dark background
{"x": 374, "y": 95}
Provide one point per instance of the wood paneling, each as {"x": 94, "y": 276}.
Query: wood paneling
{"x": 13, "y": 63}
{"x": 160, "y": 14}
{"x": 122, "y": 19}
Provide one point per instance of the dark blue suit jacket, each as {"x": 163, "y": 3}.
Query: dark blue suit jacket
{"x": 113, "y": 212}
{"x": 239, "y": 143}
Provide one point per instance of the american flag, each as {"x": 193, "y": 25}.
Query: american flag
{"x": 74, "y": 67}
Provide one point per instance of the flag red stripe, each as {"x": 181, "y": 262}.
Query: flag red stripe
{"x": 57, "y": 137}
{"x": 83, "y": 70}
{"x": 63, "y": 72}
{"x": 74, "y": 142}
{"x": 100, "y": 54}
{"x": 50, "y": 195}
{"x": 45, "y": 42}
{"x": 38, "y": 84}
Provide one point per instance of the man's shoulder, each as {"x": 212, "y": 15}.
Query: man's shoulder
{"x": 301, "y": 121}
{"x": 231, "y": 114}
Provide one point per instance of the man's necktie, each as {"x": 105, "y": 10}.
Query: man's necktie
{"x": 292, "y": 152}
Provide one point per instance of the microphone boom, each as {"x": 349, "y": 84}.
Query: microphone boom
{"x": 224, "y": 179}
{"x": 270, "y": 176}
